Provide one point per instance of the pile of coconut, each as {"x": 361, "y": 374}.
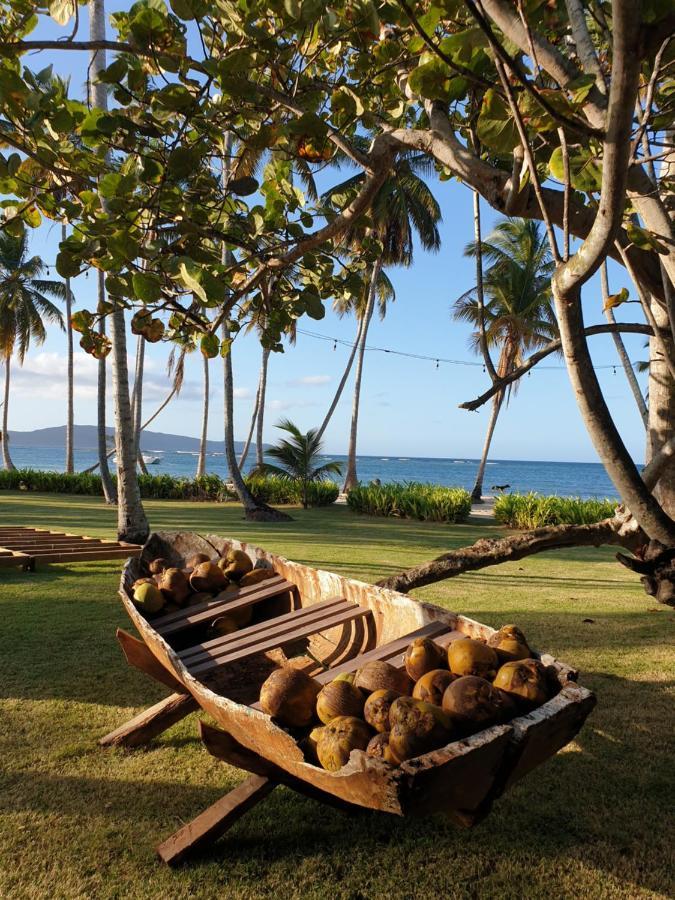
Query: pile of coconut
{"x": 398, "y": 714}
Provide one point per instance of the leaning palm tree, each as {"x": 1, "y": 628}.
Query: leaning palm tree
{"x": 402, "y": 208}
{"x": 517, "y": 311}
{"x": 24, "y": 305}
{"x": 298, "y": 457}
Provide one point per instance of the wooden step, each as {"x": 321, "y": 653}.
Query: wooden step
{"x": 253, "y": 633}
{"x": 331, "y": 620}
{"x": 206, "y": 612}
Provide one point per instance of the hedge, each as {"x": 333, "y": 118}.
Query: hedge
{"x": 535, "y": 511}
{"x": 411, "y": 500}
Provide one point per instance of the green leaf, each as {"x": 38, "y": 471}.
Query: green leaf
{"x": 209, "y": 345}
{"x": 580, "y": 88}
{"x": 175, "y": 97}
{"x": 114, "y": 73}
{"x": 67, "y": 265}
{"x": 81, "y": 321}
{"x": 188, "y": 9}
{"x": 585, "y": 172}
{"x": 644, "y": 239}
{"x": 225, "y": 347}
{"x": 147, "y": 287}
{"x": 62, "y": 10}
{"x": 496, "y": 128}
{"x": 616, "y": 299}
{"x": 183, "y": 161}
{"x": 313, "y": 305}
{"x": 190, "y": 281}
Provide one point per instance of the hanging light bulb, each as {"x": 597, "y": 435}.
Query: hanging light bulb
{"x": 437, "y": 364}
{"x": 334, "y": 345}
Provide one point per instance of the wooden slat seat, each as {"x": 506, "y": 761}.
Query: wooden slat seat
{"x": 271, "y": 639}
{"x": 203, "y": 613}
{"x": 28, "y": 546}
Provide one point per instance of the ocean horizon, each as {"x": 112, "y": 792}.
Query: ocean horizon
{"x": 567, "y": 479}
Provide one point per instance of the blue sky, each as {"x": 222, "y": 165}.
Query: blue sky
{"x": 409, "y": 407}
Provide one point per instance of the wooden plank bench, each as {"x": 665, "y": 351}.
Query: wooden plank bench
{"x": 27, "y": 546}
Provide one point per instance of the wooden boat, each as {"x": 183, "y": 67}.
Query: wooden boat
{"x": 327, "y": 624}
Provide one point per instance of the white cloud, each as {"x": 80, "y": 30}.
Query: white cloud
{"x": 309, "y": 380}
{"x": 283, "y": 405}
{"x": 241, "y": 393}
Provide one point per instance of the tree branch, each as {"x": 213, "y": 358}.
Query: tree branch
{"x": 552, "y": 347}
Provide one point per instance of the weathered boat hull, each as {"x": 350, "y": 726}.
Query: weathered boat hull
{"x": 462, "y": 778}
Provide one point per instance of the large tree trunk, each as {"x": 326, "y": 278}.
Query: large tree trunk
{"x": 343, "y": 381}
{"x": 477, "y": 492}
{"x": 70, "y": 414}
{"x": 137, "y": 401}
{"x": 6, "y": 458}
{"x": 621, "y": 348}
{"x": 351, "y": 476}
{"x": 201, "y": 463}
{"x": 132, "y": 524}
{"x": 259, "y": 454}
{"x": 661, "y": 408}
{"x": 253, "y": 509}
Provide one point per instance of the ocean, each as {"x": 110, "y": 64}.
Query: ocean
{"x": 566, "y": 479}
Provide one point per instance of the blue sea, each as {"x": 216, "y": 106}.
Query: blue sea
{"x": 562, "y": 478}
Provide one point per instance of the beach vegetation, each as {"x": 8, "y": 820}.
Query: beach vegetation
{"x": 536, "y": 511}
{"x": 411, "y": 500}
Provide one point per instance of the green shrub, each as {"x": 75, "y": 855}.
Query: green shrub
{"x": 411, "y": 500}
{"x": 534, "y": 511}
{"x": 277, "y": 490}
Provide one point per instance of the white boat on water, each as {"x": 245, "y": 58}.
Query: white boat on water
{"x": 147, "y": 459}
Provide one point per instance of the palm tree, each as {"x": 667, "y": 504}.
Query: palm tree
{"x": 517, "y": 312}
{"x": 201, "y": 463}
{"x": 298, "y": 457}
{"x": 24, "y": 305}
{"x": 402, "y": 208}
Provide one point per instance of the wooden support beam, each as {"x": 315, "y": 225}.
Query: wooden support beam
{"x": 139, "y": 655}
{"x": 151, "y": 722}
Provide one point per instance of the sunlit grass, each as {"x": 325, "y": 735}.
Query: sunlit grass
{"x": 80, "y": 822}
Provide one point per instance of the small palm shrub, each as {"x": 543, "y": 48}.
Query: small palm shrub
{"x": 411, "y": 500}
{"x": 278, "y": 490}
{"x": 536, "y": 511}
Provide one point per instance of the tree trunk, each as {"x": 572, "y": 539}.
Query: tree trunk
{"x": 132, "y": 524}
{"x": 343, "y": 381}
{"x": 201, "y": 464}
{"x": 350, "y": 477}
{"x": 621, "y": 349}
{"x": 253, "y": 509}
{"x": 6, "y": 458}
{"x": 70, "y": 415}
{"x": 661, "y": 408}
{"x": 249, "y": 437}
{"x": 259, "y": 455}
{"x": 109, "y": 491}
{"x": 477, "y": 492}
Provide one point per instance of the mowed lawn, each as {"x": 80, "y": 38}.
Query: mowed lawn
{"x": 77, "y": 821}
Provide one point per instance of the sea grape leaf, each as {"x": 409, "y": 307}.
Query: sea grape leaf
{"x": 585, "y": 170}
{"x": 616, "y": 299}
{"x": 61, "y": 10}
{"x": 209, "y": 345}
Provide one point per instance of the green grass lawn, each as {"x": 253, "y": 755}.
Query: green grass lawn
{"x": 77, "y": 821}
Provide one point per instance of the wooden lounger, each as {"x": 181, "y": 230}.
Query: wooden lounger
{"x": 26, "y": 547}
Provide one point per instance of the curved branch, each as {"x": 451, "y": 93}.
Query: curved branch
{"x": 552, "y": 347}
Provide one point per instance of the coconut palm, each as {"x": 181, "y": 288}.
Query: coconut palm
{"x": 402, "y": 208}
{"x": 24, "y": 305}
{"x": 518, "y": 308}
{"x": 298, "y": 456}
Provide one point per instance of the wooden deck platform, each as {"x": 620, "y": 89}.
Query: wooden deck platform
{"x": 25, "y": 547}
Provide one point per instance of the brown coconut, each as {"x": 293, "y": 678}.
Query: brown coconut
{"x": 431, "y": 686}
{"x": 197, "y": 559}
{"x": 471, "y": 657}
{"x": 525, "y": 680}
{"x": 510, "y": 644}
{"x": 206, "y": 576}
{"x": 256, "y": 576}
{"x": 472, "y": 703}
{"x": 416, "y": 728}
{"x": 339, "y": 698}
{"x": 376, "y": 709}
{"x": 337, "y": 740}
{"x": 289, "y": 695}
{"x": 382, "y": 676}
{"x": 378, "y": 747}
{"x": 224, "y": 625}
{"x": 156, "y": 566}
{"x": 235, "y": 564}
{"x": 422, "y": 656}
{"x": 311, "y": 742}
{"x": 175, "y": 586}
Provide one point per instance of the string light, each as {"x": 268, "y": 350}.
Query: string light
{"x": 437, "y": 359}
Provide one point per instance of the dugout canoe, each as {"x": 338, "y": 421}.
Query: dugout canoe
{"x": 327, "y": 624}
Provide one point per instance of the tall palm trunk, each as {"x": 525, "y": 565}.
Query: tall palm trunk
{"x": 132, "y": 524}
{"x": 477, "y": 492}
{"x": 350, "y": 477}
{"x": 259, "y": 455}
{"x": 70, "y": 414}
{"x": 249, "y": 436}
{"x": 621, "y": 349}
{"x": 201, "y": 464}
{"x": 109, "y": 490}
{"x": 137, "y": 401}
{"x": 343, "y": 381}
{"x": 6, "y": 458}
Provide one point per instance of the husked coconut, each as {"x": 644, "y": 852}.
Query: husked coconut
{"x": 337, "y": 740}
{"x": 382, "y": 676}
{"x": 376, "y": 709}
{"x": 471, "y": 657}
{"x": 422, "y": 656}
{"x": 289, "y": 695}
{"x": 339, "y": 698}
{"x": 525, "y": 680}
{"x": 432, "y": 685}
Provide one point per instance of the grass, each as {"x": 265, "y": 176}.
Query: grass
{"x": 80, "y": 822}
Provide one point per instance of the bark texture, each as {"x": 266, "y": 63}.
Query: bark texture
{"x": 343, "y": 381}
{"x": 477, "y": 492}
{"x": 70, "y": 414}
{"x": 259, "y": 455}
{"x": 6, "y": 458}
{"x": 201, "y": 463}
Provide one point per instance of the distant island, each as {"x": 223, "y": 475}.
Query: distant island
{"x": 85, "y": 437}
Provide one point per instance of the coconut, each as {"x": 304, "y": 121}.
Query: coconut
{"x": 382, "y": 676}
{"x": 148, "y": 597}
{"x": 416, "y": 728}
{"x": 339, "y": 698}
{"x": 472, "y": 703}
{"x": 140, "y": 581}
{"x": 224, "y": 625}
{"x": 337, "y": 740}
{"x": 196, "y": 560}
{"x": 471, "y": 657}
{"x": 236, "y": 564}
{"x": 378, "y": 747}
{"x": 432, "y": 685}
{"x": 206, "y": 576}
{"x": 525, "y": 680}
{"x": 311, "y": 742}
{"x": 346, "y": 676}
{"x": 376, "y": 710}
{"x": 256, "y": 576}
{"x": 289, "y": 695}
{"x": 175, "y": 586}
{"x": 201, "y": 597}
{"x": 510, "y": 644}
{"x": 156, "y": 566}
{"x": 422, "y": 656}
